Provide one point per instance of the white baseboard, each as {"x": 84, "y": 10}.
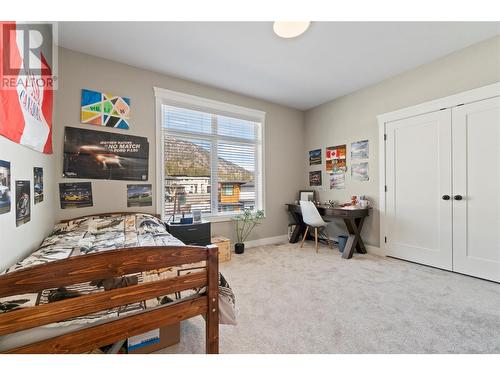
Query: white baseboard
{"x": 266, "y": 241}
{"x": 284, "y": 238}
{"x": 375, "y": 250}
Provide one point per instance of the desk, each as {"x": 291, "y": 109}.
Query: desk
{"x": 353, "y": 219}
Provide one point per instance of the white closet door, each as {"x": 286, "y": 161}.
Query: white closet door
{"x": 418, "y": 175}
{"x": 476, "y": 177}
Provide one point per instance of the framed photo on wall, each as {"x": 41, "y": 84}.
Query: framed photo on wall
{"x": 4, "y": 186}
{"x": 75, "y": 195}
{"x": 315, "y": 178}
{"x": 139, "y": 195}
{"x": 23, "y": 202}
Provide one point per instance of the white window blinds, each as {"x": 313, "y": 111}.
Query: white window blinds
{"x": 212, "y": 162}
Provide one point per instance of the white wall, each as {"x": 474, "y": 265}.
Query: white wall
{"x": 353, "y": 117}
{"x": 17, "y": 242}
{"x": 283, "y": 134}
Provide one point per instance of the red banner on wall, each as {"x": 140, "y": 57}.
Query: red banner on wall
{"x": 26, "y": 92}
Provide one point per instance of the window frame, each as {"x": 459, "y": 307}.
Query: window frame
{"x": 182, "y": 100}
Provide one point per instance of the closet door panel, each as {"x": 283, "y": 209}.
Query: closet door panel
{"x": 476, "y": 177}
{"x": 418, "y": 175}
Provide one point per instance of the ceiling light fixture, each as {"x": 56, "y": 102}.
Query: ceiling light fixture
{"x": 290, "y": 29}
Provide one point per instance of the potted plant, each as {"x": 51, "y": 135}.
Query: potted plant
{"x": 245, "y": 223}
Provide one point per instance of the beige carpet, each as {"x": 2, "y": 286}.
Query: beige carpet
{"x": 293, "y": 300}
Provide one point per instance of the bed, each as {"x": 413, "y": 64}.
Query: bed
{"x": 99, "y": 279}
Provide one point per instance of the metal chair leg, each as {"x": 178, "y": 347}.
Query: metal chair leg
{"x": 316, "y": 238}
{"x": 304, "y": 238}
{"x": 327, "y": 237}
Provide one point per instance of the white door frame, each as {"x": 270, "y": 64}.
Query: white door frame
{"x": 451, "y": 101}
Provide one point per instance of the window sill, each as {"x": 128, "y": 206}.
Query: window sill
{"x": 219, "y": 218}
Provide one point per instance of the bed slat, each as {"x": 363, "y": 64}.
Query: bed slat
{"x": 212, "y": 318}
{"x": 107, "y": 333}
{"x": 102, "y": 265}
{"x": 22, "y": 319}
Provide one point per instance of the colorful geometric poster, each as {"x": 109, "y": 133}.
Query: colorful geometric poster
{"x": 4, "y": 186}
{"x": 38, "y": 184}
{"x": 337, "y": 181}
{"x": 315, "y": 178}
{"x": 359, "y": 150}
{"x": 139, "y": 195}
{"x": 25, "y": 95}
{"x": 23, "y": 202}
{"x": 104, "y": 155}
{"x": 104, "y": 109}
{"x": 75, "y": 195}
{"x": 315, "y": 157}
{"x": 359, "y": 171}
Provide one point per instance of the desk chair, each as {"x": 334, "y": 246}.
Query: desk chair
{"x": 313, "y": 219}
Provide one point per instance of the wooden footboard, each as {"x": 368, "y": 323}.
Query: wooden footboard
{"x": 109, "y": 264}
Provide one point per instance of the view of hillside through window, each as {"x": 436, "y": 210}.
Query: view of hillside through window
{"x": 204, "y": 150}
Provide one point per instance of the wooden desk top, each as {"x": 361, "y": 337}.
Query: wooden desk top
{"x": 329, "y": 211}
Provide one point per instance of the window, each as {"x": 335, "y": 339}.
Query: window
{"x": 227, "y": 190}
{"x": 207, "y": 144}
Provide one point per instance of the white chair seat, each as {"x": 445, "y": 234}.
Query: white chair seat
{"x": 312, "y": 219}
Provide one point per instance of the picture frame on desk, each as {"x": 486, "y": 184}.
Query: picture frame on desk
{"x": 307, "y": 195}
{"x": 196, "y": 216}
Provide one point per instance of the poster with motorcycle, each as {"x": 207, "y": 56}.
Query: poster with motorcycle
{"x": 23, "y": 202}
{"x": 38, "y": 184}
{"x": 75, "y": 195}
{"x": 4, "y": 186}
{"x": 104, "y": 155}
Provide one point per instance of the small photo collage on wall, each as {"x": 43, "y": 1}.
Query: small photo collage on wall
{"x": 336, "y": 164}
{"x": 99, "y": 154}
{"x": 21, "y": 194}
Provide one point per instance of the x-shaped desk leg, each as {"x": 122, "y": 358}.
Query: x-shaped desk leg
{"x": 354, "y": 240}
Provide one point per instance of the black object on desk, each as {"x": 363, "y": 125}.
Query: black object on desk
{"x": 353, "y": 219}
{"x": 197, "y": 234}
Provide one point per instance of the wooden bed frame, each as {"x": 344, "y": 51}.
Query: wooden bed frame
{"x": 109, "y": 264}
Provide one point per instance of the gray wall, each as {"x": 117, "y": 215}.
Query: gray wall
{"x": 353, "y": 117}
{"x": 283, "y": 133}
{"x": 344, "y": 120}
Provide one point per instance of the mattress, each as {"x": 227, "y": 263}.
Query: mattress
{"x": 97, "y": 234}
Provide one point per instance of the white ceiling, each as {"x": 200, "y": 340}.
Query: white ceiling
{"x": 330, "y": 60}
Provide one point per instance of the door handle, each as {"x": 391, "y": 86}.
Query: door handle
{"x": 446, "y": 197}
{"x": 457, "y": 197}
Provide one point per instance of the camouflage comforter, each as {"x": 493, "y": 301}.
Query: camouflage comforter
{"x": 101, "y": 233}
